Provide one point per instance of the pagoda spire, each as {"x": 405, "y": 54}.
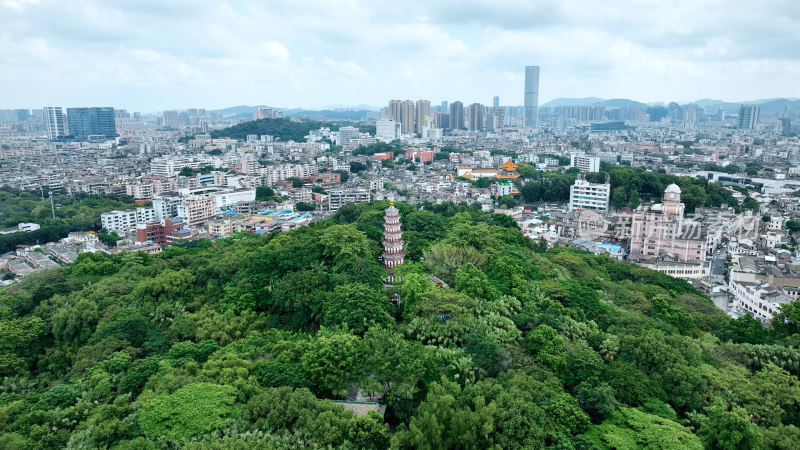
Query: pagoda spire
{"x": 393, "y": 254}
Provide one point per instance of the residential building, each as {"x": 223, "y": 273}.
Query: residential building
{"x": 748, "y": 116}
{"x": 196, "y": 209}
{"x": 585, "y": 163}
{"x": 759, "y": 298}
{"x": 403, "y": 111}
{"x": 423, "y": 115}
{"x": 456, "y": 117}
{"x": 586, "y": 195}
{"x": 340, "y": 197}
{"x": 475, "y": 117}
{"x": 126, "y": 220}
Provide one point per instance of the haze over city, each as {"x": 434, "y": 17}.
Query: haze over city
{"x": 152, "y": 56}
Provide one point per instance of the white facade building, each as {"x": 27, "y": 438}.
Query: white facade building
{"x": 759, "y": 298}
{"x": 585, "y": 163}
{"x": 126, "y": 220}
{"x": 387, "y": 129}
{"x": 586, "y": 195}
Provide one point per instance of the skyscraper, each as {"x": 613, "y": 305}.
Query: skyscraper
{"x": 54, "y": 122}
{"x": 96, "y": 121}
{"x": 496, "y": 102}
{"x": 403, "y": 111}
{"x": 445, "y": 107}
{"x": 475, "y": 117}
{"x": 748, "y": 116}
{"x": 456, "y": 116}
{"x": 423, "y": 110}
{"x": 531, "y": 96}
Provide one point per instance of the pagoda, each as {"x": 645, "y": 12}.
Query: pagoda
{"x": 393, "y": 253}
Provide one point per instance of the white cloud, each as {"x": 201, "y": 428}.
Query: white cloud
{"x": 149, "y": 54}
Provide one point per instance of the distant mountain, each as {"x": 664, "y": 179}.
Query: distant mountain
{"x": 594, "y": 101}
{"x": 776, "y": 106}
{"x": 620, "y": 102}
{"x": 238, "y": 110}
{"x": 571, "y": 102}
{"x": 327, "y": 114}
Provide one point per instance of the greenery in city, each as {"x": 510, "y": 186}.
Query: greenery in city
{"x": 252, "y": 342}
{"x": 79, "y": 212}
{"x": 630, "y": 187}
{"x": 281, "y": 129}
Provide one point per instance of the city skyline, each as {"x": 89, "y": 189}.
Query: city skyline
{"x": 147, "y": 56}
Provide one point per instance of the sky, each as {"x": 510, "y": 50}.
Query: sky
{"x": 150, "y": 55}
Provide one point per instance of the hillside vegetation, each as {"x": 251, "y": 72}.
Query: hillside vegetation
{"x": 245, "y": 343}
{"x": 73, "y": 213}
{"x": 280, "y": 129}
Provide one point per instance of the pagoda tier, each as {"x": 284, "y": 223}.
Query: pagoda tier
{"x": 393, "y": 254}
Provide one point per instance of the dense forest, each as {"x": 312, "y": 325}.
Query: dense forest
{"x": 630, "y": 187}
{"x": 247, "y": 342}
{"x": 281, "y": 129}
{"x": 73, "y": 213}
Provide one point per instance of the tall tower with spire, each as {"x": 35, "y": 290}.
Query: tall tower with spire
{"x": 393, "y": 253}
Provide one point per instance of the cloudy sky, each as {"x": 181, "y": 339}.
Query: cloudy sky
{"x": 148, "y": 55}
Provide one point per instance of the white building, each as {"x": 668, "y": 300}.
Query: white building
{"x": 387, "y": 129}
{"x": 338, "y": 198}
{"x": 586, "y": 195}
{"x": 346, "y": 134}
{"x": 759, "y": 298}
{"x": 126, "y": 220}
{"x": 585, "y": 163}
{"x": 273, "y": 174}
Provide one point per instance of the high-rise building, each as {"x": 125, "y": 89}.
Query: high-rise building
{"x": 387, "y": 129}
{"x": 96, "y": 121}
{"x": 403, "y": 111}
{"x": 496, "y": 102}
{"x": 786, "y": 126}
{"x": 456, "y": 116}
{"x": 423, "y": 110}
{"x": 54, "y": 122}
{"x": 475, "y": 117}
{"x": 689, "y": 117}
{"x": 531, "y": 96}
{"x": 445, "y": 107}
{"x": 171, "y": 119}
{"x": 748, "y": 116}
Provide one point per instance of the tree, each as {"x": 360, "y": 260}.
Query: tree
{"x": 193, "y": 410}
{"x": 356, "y": 306}
{"x": 729, "y": 429}
{"x": 296, "y": 182}
{"x": 751, "y": 204}
{"x": 341, "y": 242}
{"x": 439, "y": 423}
{"x": 303, "y": 206}
{"x": 186, "y": 172}
{"x": 343, "y": 175}
{"x": 264, "y": 193}
{"x": 356, "y": 167}
{"x": 109, "y": 239}
{"x": 631, "y": 428}
{"x": 793, "y": 225}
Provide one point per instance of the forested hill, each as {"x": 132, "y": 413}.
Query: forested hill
{"x": 244, "y": 344}
{"x": 281, "y": 129}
